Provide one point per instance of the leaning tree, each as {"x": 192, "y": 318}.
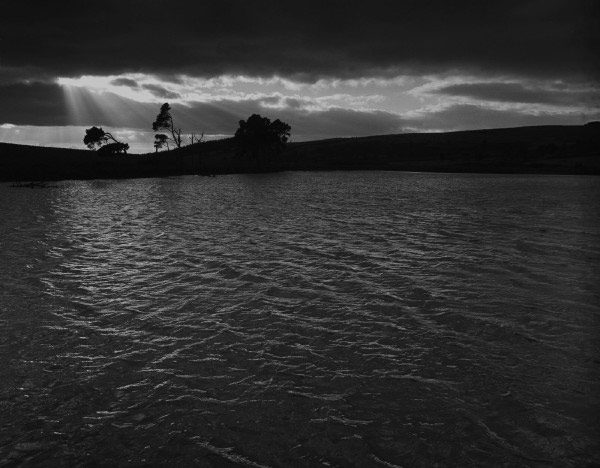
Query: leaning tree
{"x": 164, "y": 121}
{"x": 97, "y": 138}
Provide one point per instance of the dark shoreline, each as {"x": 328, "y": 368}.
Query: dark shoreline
{"x": 557, "y": 150}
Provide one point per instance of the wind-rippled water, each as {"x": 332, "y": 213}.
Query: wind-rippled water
{"x": 301, "y": 319}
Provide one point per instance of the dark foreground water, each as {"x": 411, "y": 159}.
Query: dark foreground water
{"x": 301, "y": 319}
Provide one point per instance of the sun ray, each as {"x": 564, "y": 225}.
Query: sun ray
{"x": 73, "y": 108}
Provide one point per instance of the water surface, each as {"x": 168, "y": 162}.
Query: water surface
{"x": 301, "y": 319}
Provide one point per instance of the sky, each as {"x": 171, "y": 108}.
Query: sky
{"x": 335, "y": 68}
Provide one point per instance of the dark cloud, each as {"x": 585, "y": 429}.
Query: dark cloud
{"x": 285, "y": 102}
{"x": 293, "y": 103}
{"x": 271, "y": 100}
{"x": 520, "y": 93}
{"x": 125, "y": 82}
{"x": 48, "y": 104}
{"x": 305, "y": 40}
{"x": 343, "y": 123}
{"x": 161, "y": 92}
{"x": 33, "y": 104}
{"x": 10, "y": 75}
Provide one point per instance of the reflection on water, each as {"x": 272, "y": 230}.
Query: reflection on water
{"x": 301, "y": 319}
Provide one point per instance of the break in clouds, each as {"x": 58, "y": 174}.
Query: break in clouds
{"x": 333, "y": 68}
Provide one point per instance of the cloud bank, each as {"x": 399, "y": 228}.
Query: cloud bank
{"x": 335, "y": 68}
{"x": 302, "y": 40}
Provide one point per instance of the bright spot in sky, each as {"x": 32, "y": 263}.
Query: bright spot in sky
{"x": 128, "y": 103}
{"x": 103, "y": 84}
{"x": 389, "y": 94}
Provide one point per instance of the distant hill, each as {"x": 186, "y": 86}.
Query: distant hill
{"x": 529, "y": 150}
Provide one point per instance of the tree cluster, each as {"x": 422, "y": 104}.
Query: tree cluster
{"x": 96, "y": 137}
{"x": 259, "y": 136}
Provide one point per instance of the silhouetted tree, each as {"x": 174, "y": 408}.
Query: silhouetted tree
{"x": 164, "y": 121}
{"x": 114, "y": 148}
{"x": 259, "y": 135}
{"x": 160, "y": 140}
{"x": 195, "y": 138}
{"x": 96, "y": 137}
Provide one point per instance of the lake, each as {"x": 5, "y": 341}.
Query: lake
{"x": 301, "y": 319}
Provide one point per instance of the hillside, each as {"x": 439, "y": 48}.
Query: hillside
{"x": 539, "y": 150}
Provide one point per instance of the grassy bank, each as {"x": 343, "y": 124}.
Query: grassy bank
{"x": 528, "y": 150}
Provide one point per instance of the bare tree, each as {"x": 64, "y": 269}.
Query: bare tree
{"x": 195, "y": 138}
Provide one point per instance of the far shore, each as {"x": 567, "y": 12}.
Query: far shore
{"x": 521, "y": 150}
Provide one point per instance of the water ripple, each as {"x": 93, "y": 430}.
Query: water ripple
{"x": 346, "y": 319}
